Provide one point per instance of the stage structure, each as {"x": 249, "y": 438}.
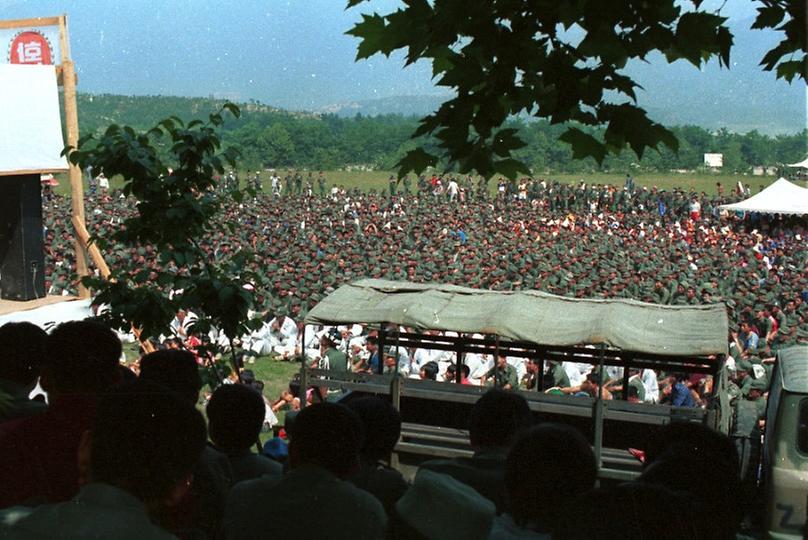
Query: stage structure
{"x": 34, "y": 62}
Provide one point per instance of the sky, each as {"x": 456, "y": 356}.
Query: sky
{"x": 294, "y": 54}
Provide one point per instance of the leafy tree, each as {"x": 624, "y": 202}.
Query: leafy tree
{"x": 176, "y": 199}
{"x": 560, "y": 60}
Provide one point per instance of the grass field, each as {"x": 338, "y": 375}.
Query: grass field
{"x": 274, "y": 374}
{"x": 378, "y": 180}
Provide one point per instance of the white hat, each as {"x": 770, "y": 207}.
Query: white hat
{"x": 441, "y": 508}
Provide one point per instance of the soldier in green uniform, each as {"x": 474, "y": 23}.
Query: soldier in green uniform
{"x": 393, "y": 184}
{"x": 321, "y": 184}
{"x": 503, "y": 375}
{"x": 747, "y": 415}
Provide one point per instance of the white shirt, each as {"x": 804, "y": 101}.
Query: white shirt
{"x": 649, "y": 381}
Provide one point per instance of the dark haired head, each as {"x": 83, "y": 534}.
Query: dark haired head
{"x": 430, "y": 370}
{"x": 145, "y": 440}
{"x": 497, "y": 417}
{"x": 235, "y": 417}
{"x": 547, "y": 467}
{"x": 381, "y": 423}
{"x": 81, "y": 357}
{"x": 177, "y": 370}
{"x": 326, "y": 435}
{"x": 22, "y": 352}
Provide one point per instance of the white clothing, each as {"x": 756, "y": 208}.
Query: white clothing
{"x": 649, "y": 381}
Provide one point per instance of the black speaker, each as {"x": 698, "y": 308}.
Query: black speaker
{"x": 22, "y": 259}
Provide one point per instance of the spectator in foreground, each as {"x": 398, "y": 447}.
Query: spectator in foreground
{"x": 313, "y": 500}
{"x": 235, "y": 417}
{"x": 38, "y": 454}
{"x": 702, "y": 464}
{"x": 138, "y": 457}
{"x": 496, "y": 419}
{"x": 201, "y": 510}
{"x": 547, "y": 468}
{"x": 630, "y": 511}
{"x": 22, "y": 354}
{"x": 381, "y": 423}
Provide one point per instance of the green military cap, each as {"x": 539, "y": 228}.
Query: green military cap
{"x": 759, "y": 384}
{"x": 743, "y": 365}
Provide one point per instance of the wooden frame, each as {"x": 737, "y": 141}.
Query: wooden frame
{"x": 66, "y": 78}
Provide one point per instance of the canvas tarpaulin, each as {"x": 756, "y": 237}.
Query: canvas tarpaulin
{"x": 532, "y": 316}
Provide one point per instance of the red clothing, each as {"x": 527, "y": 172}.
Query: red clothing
{"x": 39, "y": 455}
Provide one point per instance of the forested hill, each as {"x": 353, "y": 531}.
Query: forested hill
{"x": 270, "y": 137}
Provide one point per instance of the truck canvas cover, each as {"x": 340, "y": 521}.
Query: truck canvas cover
{"x": 530, "y": 315}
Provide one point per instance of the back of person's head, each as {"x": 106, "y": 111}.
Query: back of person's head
{"x": 235, "y": 416}
{"x": 174, "y": 369}
{"x": 711, "y": 484}
{"x": 631, "y": 511}
{"x": 547, "y": 467}
{"x": 381, "y": 424}
{"x": 694, "y": 439}
{"x": 81, "y": 357}
{"x": 22, "y": 352}
{"x": 431, "y": 370}
{"x": 497, "y": 417}
{"x": 146, "y": 440}
{"x": 326, "y": 435}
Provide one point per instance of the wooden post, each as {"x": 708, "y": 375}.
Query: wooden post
{"x": 74, "y": 173}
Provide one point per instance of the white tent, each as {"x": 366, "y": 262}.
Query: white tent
{"x": 801, "y": 165}
{"x": 782, "y": 197}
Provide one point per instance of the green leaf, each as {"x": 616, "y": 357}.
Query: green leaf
{"x": 583, "y": 145}
{"x": 416, "y": 161}
{"x": 371, "y": 32}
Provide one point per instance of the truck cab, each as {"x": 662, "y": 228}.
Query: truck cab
{"x": 785, "y": 448}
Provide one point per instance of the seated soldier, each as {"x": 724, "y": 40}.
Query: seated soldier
{"x": 496, "y": 419}
{"x": 137, "y": 458}
{"x": 547, "y": 467}
{"x": 313, "y": 500}
{"x": 22, "y": 354}
{"x": 381, "y": 423}
{"x": 235, "y": 418}
{"x": 38, "y": 454}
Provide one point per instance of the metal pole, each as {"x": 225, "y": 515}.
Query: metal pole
{"x": 625, "y": 380}
{"x": 458, "y": 363}
{"x": 303, "y": 367}
{"x": 380, "y": 352}
{"x": 598, "y": 415}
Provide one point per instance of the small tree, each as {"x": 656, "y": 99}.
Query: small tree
{"x": 170, "y": 171}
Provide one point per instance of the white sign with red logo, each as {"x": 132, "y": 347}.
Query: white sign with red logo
{"x": 30, "y": 46}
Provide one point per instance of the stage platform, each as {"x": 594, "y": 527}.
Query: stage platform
{"x": 45, "y": 312}
{"x": 11, "y": 306}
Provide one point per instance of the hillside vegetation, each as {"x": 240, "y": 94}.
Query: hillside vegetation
{"x": 273, "y": 138}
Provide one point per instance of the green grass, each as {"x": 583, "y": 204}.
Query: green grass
{"x": 366, "y": 180}
{"x": 274, "y": 374}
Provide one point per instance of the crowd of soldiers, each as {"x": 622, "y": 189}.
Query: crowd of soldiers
{"x": 583, "y": 241}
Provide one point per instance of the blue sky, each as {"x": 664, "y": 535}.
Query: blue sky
{"x": 294, "y": 54}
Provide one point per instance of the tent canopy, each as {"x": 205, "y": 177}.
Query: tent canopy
{"x": 782, "y": 197}
{"x": 532, "y": 316}
{"x": 801, "y": 165}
